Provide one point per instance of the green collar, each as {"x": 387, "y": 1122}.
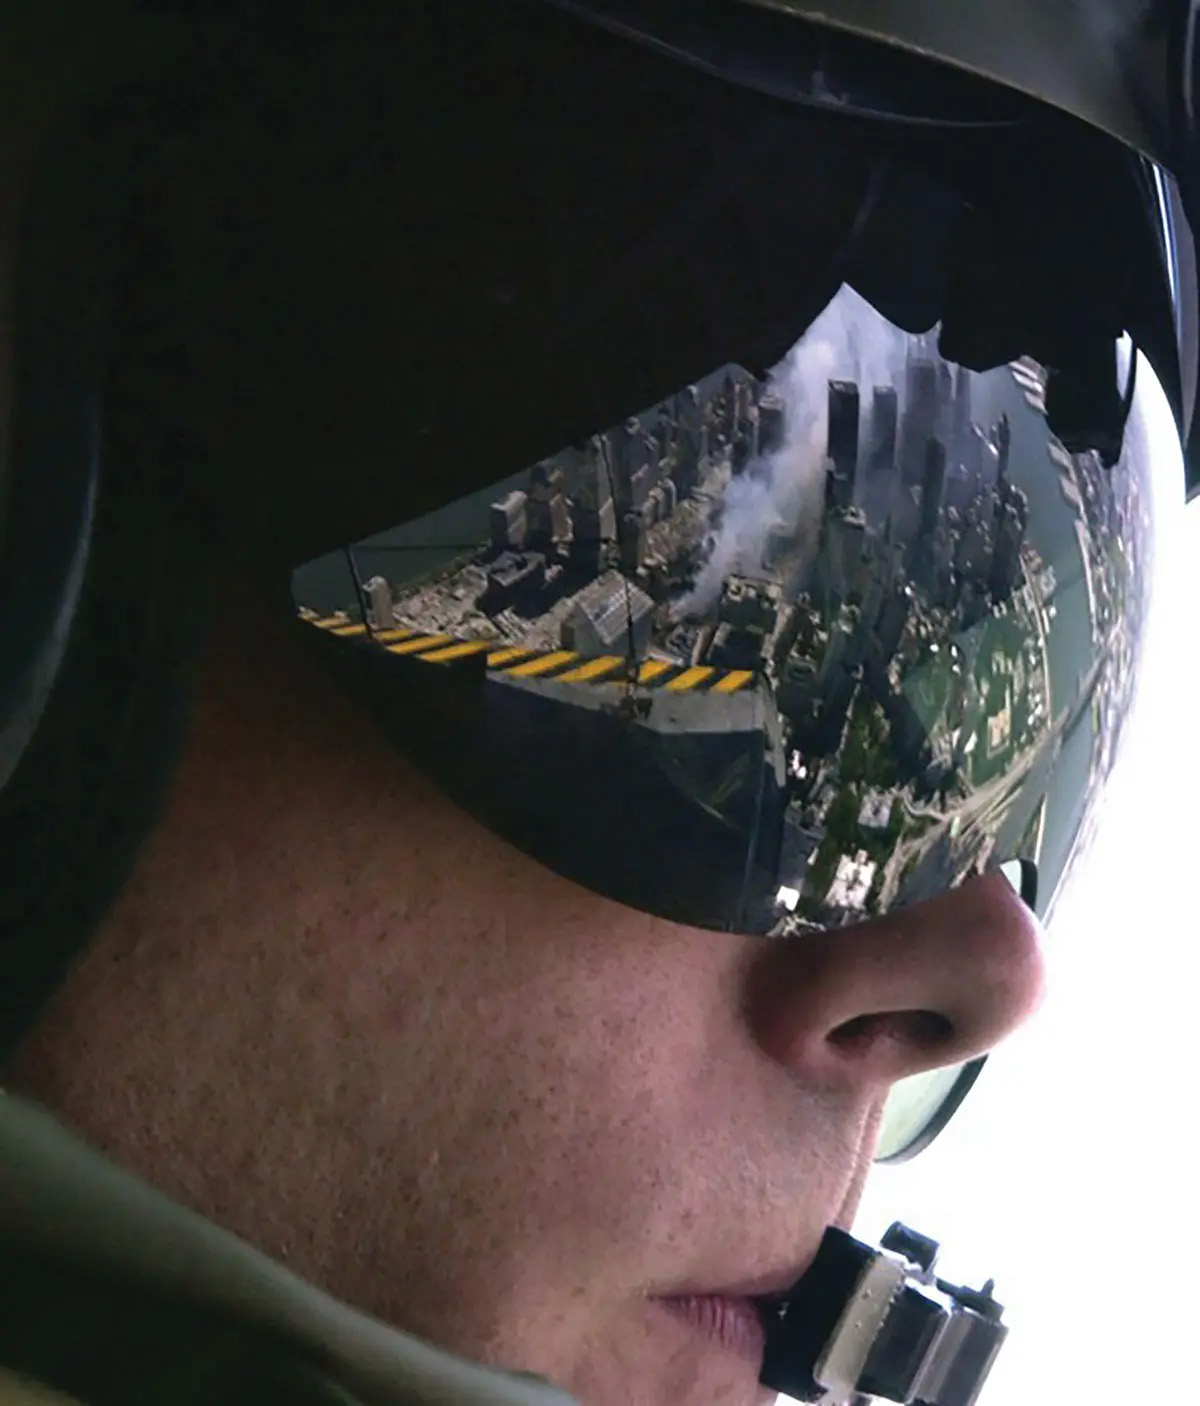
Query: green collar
{"x": 65, "y": 1207}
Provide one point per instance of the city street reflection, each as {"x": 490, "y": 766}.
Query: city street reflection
{"x": 868, "y": 617}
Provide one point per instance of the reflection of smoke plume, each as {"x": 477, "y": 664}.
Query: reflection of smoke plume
{"x": 848, "y": 341}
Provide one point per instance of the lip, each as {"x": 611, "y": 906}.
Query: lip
{"x": 733, "y": 1322}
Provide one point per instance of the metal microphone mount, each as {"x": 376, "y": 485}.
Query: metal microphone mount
{"x": 865, "y": 1323}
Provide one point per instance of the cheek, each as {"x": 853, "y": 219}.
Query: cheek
{"x": 613, "y": 1185}
{"x": 565, "y": 1184}
{"x": 590, "y": 1121}
{"x": 593, "y": 1088}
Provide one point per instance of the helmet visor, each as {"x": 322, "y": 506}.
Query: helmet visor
{"x": 771, "y": 656}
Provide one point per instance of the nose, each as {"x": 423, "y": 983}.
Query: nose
{"x": 933, "y": 984}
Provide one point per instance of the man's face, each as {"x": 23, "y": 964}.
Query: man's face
{"x": 641, "y": 1109}
{"x": 462, "y": 1093}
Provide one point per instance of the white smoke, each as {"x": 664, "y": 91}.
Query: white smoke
{"x": 848, "y": 341}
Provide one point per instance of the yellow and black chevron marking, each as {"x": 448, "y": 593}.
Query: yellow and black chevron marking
{"x": 521, "y": 662}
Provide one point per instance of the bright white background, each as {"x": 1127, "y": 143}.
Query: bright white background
{"x": 1070, "y": 1173}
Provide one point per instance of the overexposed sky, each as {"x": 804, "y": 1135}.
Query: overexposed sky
{"x": 1070, "y": 1173}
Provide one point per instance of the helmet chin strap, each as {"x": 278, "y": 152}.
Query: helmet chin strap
{"x": 864, "y": 1324}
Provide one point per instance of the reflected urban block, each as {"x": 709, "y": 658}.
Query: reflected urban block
{"x": 893, "y": 618}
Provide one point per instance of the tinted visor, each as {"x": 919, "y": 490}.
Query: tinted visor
{"x": 776, "y": 655}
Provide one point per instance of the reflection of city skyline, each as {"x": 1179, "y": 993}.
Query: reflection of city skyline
{"x": 903, "y": 631}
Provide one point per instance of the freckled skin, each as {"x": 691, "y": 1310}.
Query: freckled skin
{"x": 338, "y": 1017}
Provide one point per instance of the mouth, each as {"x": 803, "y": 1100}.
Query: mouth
{"x": 732, "y": 1322}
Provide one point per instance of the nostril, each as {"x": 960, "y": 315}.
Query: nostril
{"x": 925, "y": 1030}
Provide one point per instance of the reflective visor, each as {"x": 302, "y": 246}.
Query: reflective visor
{"x": 774, "y": 656}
